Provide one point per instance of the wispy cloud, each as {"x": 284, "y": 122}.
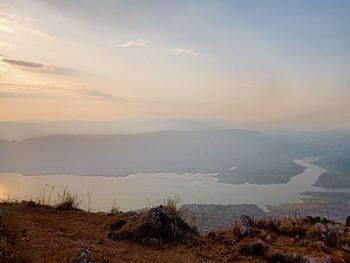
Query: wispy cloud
{"x": 53, "y": 93}
{"x": 5, "y": 44}
{"x": 6, "y": 28}
{"x": 184, "y": 51}
{"x": 96, "y": 94}
{"x": 13, "y": 23}
{"x": 40, "y": 67}
{"x": 134, "y": 43}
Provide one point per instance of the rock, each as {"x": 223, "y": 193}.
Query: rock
{"x": 317, "y": 220}
{"x": 348, "y": 221}
{"x": 328, "y": 234}
{"x": 285, "y": 257}
{"x": 159, "y": 214}
{"x": 161, "y": 223}
{"x": 345, "y": 244}
{"x": 323, "y": 259}
{"x": 305, "y": 242}
{"x": 257, "y": 248}
{"x": 263, "y": 234}
{"x": 230, "y": 242}
{"x": 346, "y": 247}
{"x": 130, "y": 213}
{"x": 271, "y": 238}
{"x": 217, "y": 236}
{"x": 128, "y": 235}
{"x": 83, "y": 257}
{"x": 319, "y": 245}
{"x": 118, "y": 224}
{"x": 245, "y": 223}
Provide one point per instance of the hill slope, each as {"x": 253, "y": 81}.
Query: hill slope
{"x": 51, "y": 235}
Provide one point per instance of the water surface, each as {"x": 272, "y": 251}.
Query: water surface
{"x": 139, "y": 190}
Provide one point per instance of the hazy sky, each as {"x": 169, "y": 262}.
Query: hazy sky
{"x": 235, "y": 61}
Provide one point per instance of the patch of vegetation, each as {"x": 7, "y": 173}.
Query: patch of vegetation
{"x": 158, "y": 224}
{"x": 10, "y": 237}
{"x": 67, "y": 200}
{"x": 115, "y": 209}
{"x": 254, "y": 248}
{"x": 317, "y": 219}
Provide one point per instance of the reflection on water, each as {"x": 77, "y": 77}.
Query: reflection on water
{"x": 137, "y": 190}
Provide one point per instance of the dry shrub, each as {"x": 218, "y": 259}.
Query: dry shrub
{"x": 67, "y": 200}
{"x": 254, "y": 248}
{"x": 286, "y": 226}
{"x": 268, "y": 223}
{"x": 173, "y": 206}
{"x": 10, "y": 237}
{"x": 292, "y": 227}
{"x": 288, "y": 257}
{"x": 115, "y": 210}
{"x": 158, "y": 224}
{"x": 236, "y": 228}
{"x": 10, "y": 228}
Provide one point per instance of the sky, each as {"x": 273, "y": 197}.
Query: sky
{"x": 242, "y": 62}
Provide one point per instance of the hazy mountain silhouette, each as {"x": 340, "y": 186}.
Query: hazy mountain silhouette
{"x": 259, "y": 157}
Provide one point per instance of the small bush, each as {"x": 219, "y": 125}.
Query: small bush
{"x": 255, "y": 248}
{"x": 173, "y": 206}
{"x": 289, "y": 257}
{"x": 115, "y": 209}
{"x": 67, "y": 200}
{"x": 10, "y": 228}
{"x": 10, "y": 236}
{"x": 45, "y": 198}
{"x": 157, "y": 224}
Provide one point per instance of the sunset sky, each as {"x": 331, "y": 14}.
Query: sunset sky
{"x": 230, "y": 61}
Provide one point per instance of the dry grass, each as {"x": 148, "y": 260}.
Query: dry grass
{"x": 115, "y": 210}
{"x": 10, "y": 228}
{"x": 157, "y": 224}
{"x": 10, "y": 238}
{"x": 58, "y": 236}
{"x": 66, "y": 200}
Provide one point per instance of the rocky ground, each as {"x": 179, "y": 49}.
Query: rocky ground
{"x": 35, "y": 233}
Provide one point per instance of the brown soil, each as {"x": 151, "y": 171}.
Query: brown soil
{"x": 51, "y": 235}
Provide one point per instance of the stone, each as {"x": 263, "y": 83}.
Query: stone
{"x": 346, "y": 247}
{"x": 323, "y": 259}
{"x": 257, "y": 248}
{"x": 348, "y": 221}
{"x": 245, "y": 223}
{"x": 328, "y": 234}
{"x": 118, "y": 224}
{"x": 271, "y": 238}
{"x": 305, "y": 242}
{"x": 285, "y": 257}
{"x": 320, "y": 245}
{"x": 83, "y": 257}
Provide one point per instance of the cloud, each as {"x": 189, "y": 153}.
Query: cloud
{"x": 28, "y": 65}
{"x": 96, "y": 94}
{"x": 6, "y": 28}
{"x": 5, "y": 44}
{"x": 134, "y": 43}
{"x": 184, "y": 51}
{"x": 23, "y": 91}
{"x": 13, "y": 23}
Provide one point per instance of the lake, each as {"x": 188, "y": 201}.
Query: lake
{"x": 139, "y": 190}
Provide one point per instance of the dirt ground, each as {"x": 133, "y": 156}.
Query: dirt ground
{"x": 50, "y": 235}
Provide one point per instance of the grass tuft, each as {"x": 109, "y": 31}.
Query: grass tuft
{"x": 66, "y": 200}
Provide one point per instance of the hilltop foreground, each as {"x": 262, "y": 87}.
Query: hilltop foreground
{"x": 35, "y": 233}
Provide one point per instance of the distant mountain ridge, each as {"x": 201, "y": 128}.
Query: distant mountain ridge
{"x": 14, "y": 131}
{"x": 260, "y": 157}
